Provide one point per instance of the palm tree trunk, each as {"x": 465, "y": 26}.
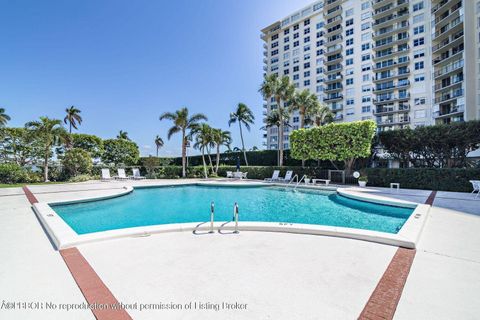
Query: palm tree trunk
{"x": 243, "y": 144}
{"x": 157, "y": 151}
{"x": 70, "y": 127}
{"x": 210, "y": 159}
{"x": 184, "y": 155}
{"x": 280, "y": 146}
{"x": 204, "y": 163}
{"x": 218, "y": 158}
{"x": 45, "y": 166}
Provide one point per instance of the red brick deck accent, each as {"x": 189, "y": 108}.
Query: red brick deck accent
{"x": 29, "y": 195}
{"x": 92, "y": 287}
{"x": 431, "y": 198}
{"x": 384, "y": 299}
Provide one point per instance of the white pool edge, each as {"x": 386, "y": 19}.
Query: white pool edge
{"x": 63, "y": 236}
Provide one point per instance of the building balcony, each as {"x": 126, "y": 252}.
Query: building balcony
{"x": 378, "y": 3}
{"x": 393, "y": 121}
{"x": 389, "y": 8}
{"x": 393, "y": 40}
{"x": 388, "y": 64}
{"x": 391, "y": 29}
{"x": 333, "y": 78}
{"x": 332, "y": 89}
{"x": 336, "y": 107}
{"x": 437, "y": 8}
{"x": 329, "y": 13}
{"x": 453, "y": 27}
{"x": 453, "y": 94}
{"x": 334, "y": 49}
{"x": 391, "y": 98}
{"x": 335, "y": 59}
{"x": 390, "y": 109}
{"x": 449, "y": 42}
{"x": 445, "y": 17}
{"x": 337, "y": 68}
{"x": 391, "y": 53}
{"x": 333, "y": 97}
{"x": 333, "y": 21}
{"x": 447, "y": 57}
{"x": 449, "y": 111}
{"x": 448, "y": 69}
{"x": 330, "y": 3}
{"x": 398, "y": 85}
{"x": 334, "y": 40}
{"x": 454, "y": 81}
{"x": 338, "y": 117}
{"x": 391, "y": 75}
{"x": 390, "y": 19}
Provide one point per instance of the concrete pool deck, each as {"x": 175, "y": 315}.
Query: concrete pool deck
{"x": 329, "y": 277}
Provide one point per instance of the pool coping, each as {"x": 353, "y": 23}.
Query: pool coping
{"x": 63, "y": 236}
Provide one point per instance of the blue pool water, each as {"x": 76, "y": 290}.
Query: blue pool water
{"x": 179, "y": 204}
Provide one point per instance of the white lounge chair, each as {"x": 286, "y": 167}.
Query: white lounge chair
{"x": 229, "y": 174}
{"x": 274, "y": 177}
{"x": 476, "y": 187}
{"x": 106, "y": 175}
{"x": 136, "y": 174}
{"x": 287, "y": 178}
{"x": 244, "y": 175}
{"x": 121, "y": 175}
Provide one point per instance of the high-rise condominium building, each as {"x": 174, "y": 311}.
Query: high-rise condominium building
{"x": 399, "y": 62}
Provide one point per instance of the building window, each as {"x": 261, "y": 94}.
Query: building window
{"x": 365, "y": 109}
{"x": 306, "y": 65}
{"x": 286, "y": 71}
{"x": 365, "y": 46}
{"x": 420, "y": 77}
{"x": 366, "y": 77}
{"x": 350, "y": 102}
{"x": 365, "y": 5}
{"x": 286, "y": 31}
{"x": 307, "y": 39}
{"x": 366, "y": 36}
{"x": 366, "y": 15}
{"x": 349, "y": 22}
{"x": 365, "y": 26}
{"x": 349, "y": 61}
{"x": 418, "y": 6}
{"x": 418, "y": 42}
{"x": 306, "y": 74}
{"x": 418, "y": 54}
{"x": 349, "y": 32}
{"x": 349, "y": 51}
{"x": 285, "y": 48}
{"x": 349, "y": 12}
{"x": 419, "y": 65}
{"x": 306, "y": 31}
{"x": 419, "y": 29}
{"x": 349, "y": 71}
{"x": 419, "y": 101}
{"x": 365, "y": 57}
{"x": 307, "y": 22}
{"x": 418, "y": 18}
{"x": 295, "y": 27}
{"x": 295, "y": 76}
{"x": 349, "y": 81}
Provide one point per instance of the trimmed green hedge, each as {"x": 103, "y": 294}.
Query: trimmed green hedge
{"x": 454, "y": 179}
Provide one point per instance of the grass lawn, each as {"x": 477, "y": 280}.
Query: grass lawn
{"x": 16, "y": 185}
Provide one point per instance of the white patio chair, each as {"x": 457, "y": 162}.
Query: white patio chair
{"x": 106, "y": 175}
{"x": 229, "y": 174}
{"x": 287, "y": 178}
{"x": 136, "y": 174}
{"x": 121, "y": 175}
{"x": 476, "y": 187}
{"x": 274, "y": 177}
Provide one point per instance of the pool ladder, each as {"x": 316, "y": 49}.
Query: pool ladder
{"x": 298, "y": 181}
{"x": 212, "y": 216}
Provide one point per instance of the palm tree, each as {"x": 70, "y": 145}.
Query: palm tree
{"x": 254, "y": 148}
{"x": 318, "y": 114}
{"x": 158, "y": 143}
{"x": 73, "y": 117}
{"x": 4, "y": 118}
{"x": 181, "y": 123}
{"x": 275, "y": 119}
{"x": 203, "y": 138}
{"x": 123, "y": 135}
{"x": 301, "y": 102}
{"x": 221, "y": 138}
{"x": 281, "y": 89}
{"x": 49, "y": 132}
{"x": 244, "y": 115}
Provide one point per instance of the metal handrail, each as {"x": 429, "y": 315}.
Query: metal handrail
{"x": 235, "y": 217}
{"x": 291, "y": 180}
{"x": 212, "y": 214}
{"x": 303, "y": 178}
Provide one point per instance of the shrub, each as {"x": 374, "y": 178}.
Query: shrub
{"x": 336, "y": 142}
{"x": 77, "y": 162}
{"x": 454, "y": 179}
{"x": 81, "y": 178}
{"x": 12, "y": 173}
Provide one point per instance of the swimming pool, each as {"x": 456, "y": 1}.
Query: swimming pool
{"x": 191, "y": 203}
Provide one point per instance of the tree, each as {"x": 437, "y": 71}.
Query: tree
{"x": 17, "y": 145}
{"x": 203, "y": 138}
{"x": 73, "y": 118}
{"x": 4, "y": 118}
{"x": 183, "y": 123}
{"x": 158, "y": 143}
{"x": 244, "y": 115}
{"x": 90, "y": 143}
{"x": 221, "y": 138}
{"x": 275, "y": 119}
{"x": 318, "y": 114}
{"x": 120, "y": 151}
{"x": 48, "y": 133}
{"x": 123, "y": 135}
{"x": 334, "y": 142}
{"x": 301, "y": 102}
{"x": 281, "y": 89}
{"x": 76, "y": 162}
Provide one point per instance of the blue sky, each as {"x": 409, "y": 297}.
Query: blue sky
{"x": 123, "y": 63}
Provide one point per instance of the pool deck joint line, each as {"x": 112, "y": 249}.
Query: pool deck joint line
{"x": 30, "y": 196}
{"x": 92, "y": 287}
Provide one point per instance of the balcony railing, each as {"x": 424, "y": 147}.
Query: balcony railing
{"x": 449, "y": 111}
{"x": 448, "y": 96}
{"x": 449, "y": 68}
{"x": 448, "y": 27}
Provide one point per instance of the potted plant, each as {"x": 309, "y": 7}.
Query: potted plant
{"x": 362, "y": 181}
{"x": 307, "y": 180}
